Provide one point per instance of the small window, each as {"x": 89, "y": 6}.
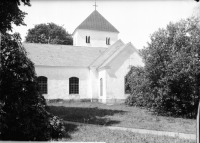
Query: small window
{"x": 107, "y": 41}
{"x": 73, "y": 85}
{"x": 87, "y": 39}
{"x": 42, "y": 81}
{"x": 101, "y": 87}
{"x": 127, "y": 89}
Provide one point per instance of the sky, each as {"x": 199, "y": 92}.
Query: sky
{"x": 136, "y": 20}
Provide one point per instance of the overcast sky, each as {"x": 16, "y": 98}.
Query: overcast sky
{"x": 135, "y": 19}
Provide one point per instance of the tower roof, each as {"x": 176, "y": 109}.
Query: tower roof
{"x": 95, "y": 21}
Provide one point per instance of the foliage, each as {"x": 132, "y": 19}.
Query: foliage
{"x": 137, "y": 83}
{"x": 172, "y": 68}
{"x": 23, "y": 114}
{"x": 10, "y": 13}
{"x": 49, "y": 33}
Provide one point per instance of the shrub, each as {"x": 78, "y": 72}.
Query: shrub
{"x": 23, "y": 114}
{"x": 171, "y": 80}
{"x": 138, "y": 87}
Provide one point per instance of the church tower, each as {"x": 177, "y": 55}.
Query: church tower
{"x": 95, "y": 31}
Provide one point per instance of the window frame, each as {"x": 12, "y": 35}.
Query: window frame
{"x": 101, "y": 87}
{"x": 87, "y": 39}
{"x": 43, "y": 84}
{"x": 127, "y": 89}
{"x": 107, "y": 40}
{"x": 73, "y": 85}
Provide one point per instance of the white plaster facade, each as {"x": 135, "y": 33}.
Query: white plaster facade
{"x": 97, "y": 38}
{"x": 112, "y": 75}
{"x": 89, "y": 62}
{"x": 58, "y": 81}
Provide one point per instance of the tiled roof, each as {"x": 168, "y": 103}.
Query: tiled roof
{"x": 109, "y": 52}
{"x": 62, "y": 55}
{"x": 95, "y": 21}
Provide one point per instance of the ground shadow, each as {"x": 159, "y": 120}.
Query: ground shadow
{"x": 91, "y": 115}
{"x": 69, "y": 128}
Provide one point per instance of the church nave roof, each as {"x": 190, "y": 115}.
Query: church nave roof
{"x": 62, "y": 55}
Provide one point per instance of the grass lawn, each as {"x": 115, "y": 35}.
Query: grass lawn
{"x": 119, "y": 115}
{"x": 102, "y": 134}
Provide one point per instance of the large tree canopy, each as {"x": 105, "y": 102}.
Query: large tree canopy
{"x": 49, "y": 33}
{"x": 172, "y": 69}
{"x": 11, "y": 14}
{"x": 23, "y": 114}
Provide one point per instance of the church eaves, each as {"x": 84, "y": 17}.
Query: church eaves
{"x": 95, "y": 21}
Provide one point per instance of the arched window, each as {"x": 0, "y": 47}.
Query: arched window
{"x": 127, "y": 88}
{"x": 73, "y": 85}
{"x": 42, "y": 81}
{"x": 101, "y": 87}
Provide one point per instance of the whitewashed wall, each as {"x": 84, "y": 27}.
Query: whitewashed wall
{"x": 97, "y": 38}
{"x": 116, "y": 76}
{"x": 58, "y": 81}
{"x": 102, "y": 74}
{"x": 94, "y": 84}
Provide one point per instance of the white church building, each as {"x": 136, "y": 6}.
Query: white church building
{"x": 93, "y": 68}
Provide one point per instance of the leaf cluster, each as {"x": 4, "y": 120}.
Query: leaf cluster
{"x": 11, "y": 14}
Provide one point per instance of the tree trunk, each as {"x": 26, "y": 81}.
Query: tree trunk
{"x": 0, "y": 49}
{"x": 198, "y": 125}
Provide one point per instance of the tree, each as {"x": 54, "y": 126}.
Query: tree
{"x": 23, "y": 110}
{"x": 23, "y": 114}
{"x": 10, "y": 13}
{"x": 138, "y": 84}
{"x": 172, "y": 68}
{"x": 49, "y": 33}
{"x": 198, "y": 125}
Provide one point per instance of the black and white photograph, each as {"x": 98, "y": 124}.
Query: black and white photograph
{"x": 100, "y": 71}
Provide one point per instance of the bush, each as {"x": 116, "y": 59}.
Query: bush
{"x": 23, "y": 114}
{"x": 170, "y": 82}
{"x": 138, "y": 87}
